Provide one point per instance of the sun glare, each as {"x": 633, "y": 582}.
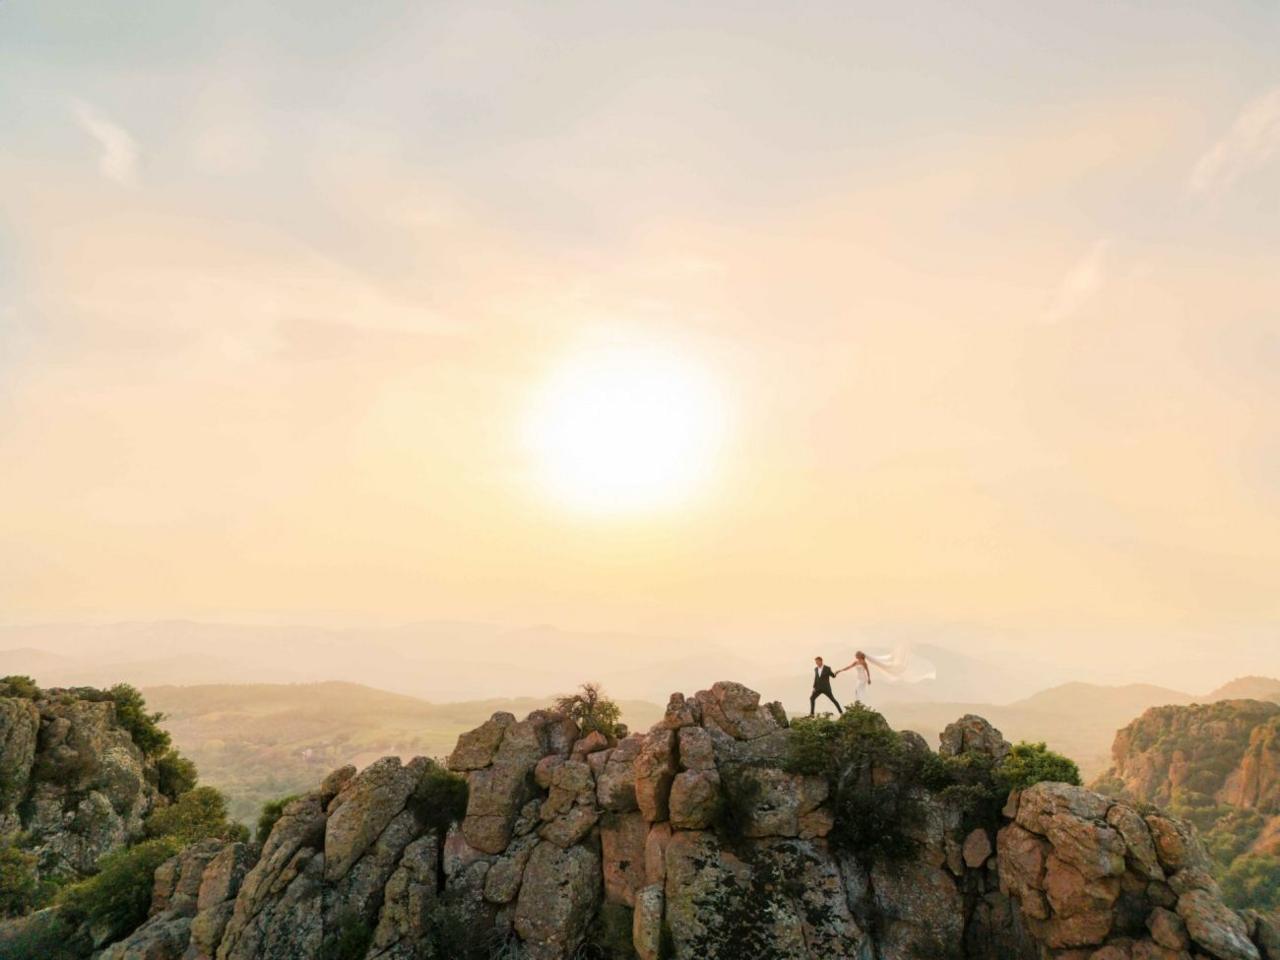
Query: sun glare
{"x": 626, "y": 429}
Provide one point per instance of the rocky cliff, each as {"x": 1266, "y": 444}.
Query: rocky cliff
{"x": 689, "y": 841}
{"x": 1217, "y": 765}
{"x": 73, "y": 784}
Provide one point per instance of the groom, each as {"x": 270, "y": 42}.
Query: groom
{"x": 822, "y": 675}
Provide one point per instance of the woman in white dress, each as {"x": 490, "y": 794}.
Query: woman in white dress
{"x": 901, "y": 666}
{"x": 862, "y": 672}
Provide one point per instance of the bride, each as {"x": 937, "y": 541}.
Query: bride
{"x": 901, "y": 666}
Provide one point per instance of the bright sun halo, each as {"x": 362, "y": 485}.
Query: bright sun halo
{"x": 626, "y": 429}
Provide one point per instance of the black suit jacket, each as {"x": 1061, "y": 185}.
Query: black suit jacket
{"x": 822, "y": 679}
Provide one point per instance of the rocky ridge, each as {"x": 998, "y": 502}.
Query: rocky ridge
{"x": 696, "y": 832}
{"x": 72, "y": 781}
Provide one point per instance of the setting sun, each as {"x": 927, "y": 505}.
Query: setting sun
{"x": 625, "y": 428}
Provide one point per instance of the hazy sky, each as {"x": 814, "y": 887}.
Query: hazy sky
{"x": 988, "y": 297}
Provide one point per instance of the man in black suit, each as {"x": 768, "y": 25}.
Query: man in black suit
{"x": 822, "y": 675}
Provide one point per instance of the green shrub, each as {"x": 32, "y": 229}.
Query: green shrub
{"x": 143, "y": 727}
{"x": 42, "y": 936}
{"x": 1252, "y": 881}
{"x": 197, "y": 815}
{"x": 175, "y": 774}
{"x": 592, "y": 711}
{"x": 1233, "y": 834}
{"x": 116, "y": 899}
{"x": 19, "y": 883}
{"x": 16, "y": 685}
{"x": 69, "y": 770}
{"x": 1030, "y": 763}
{"x": 272, "y": 811}
{"x": 873, "y": 775}
{"x": 440, "y": 799}
{"x": 351, "y": 941}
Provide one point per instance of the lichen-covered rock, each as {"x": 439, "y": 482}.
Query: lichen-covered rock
{"x": 695, "y": 799}
{"x": 408, "y": 896}
{"x": 655, "y": 769}
{"x": 623, "y": 838}
{"x": 695, "y": 749}
{"x": 163, "y": 937}
{"x": 1214, "y": 927}
{"x": 364, "y": 808}
{"x": 615, "y": 783}
{"x": 476, "y": 748}
{"x": 646, "y": 923}
{"x": 735, "y": 710}
{"x": 972, "y": 733}
{"x": 558, "y": 897}
{"x": 19, "y": 726}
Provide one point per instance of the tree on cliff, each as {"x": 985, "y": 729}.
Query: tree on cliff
{"x": 591, "y": 710}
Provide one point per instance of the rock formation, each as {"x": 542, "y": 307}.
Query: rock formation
{"x": 72, "y": 781}
{"x": 697, "y": 836}
{"x": 1218, "y": 763}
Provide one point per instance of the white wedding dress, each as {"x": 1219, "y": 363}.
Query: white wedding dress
{"x": 901, "y": 666}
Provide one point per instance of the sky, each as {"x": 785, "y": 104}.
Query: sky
{"x": 967, "y": 318}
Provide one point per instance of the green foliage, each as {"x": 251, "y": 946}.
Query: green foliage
{"x": 272, "y": 811}
{"x": 197, "y": 815}
{"x": 609, "y": 937}
{"x": 69, "y": 770}
{"x": 1032, "y": 763}
{"x": 1252, "y": 881}
{"x": 440, "y": 799}
{"x": 175, "y": 774}
{"x": 42, "y": 936}
{"x": 873, "y": 775}
{"x": 17, "y": 685}
{"x": 143, "y": 727}
{"x": 351, "y": 941}
{"x": 591, "y": 710}
{"x": 19, "y": 884}
{"x": 116, "y": 898}
{"x": 1233, "y": 834}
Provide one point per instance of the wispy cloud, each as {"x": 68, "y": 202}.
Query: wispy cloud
{"x": 1081, "y": 283}
{"x": 119, "y": 159}
{"x": 1251, "y": 143}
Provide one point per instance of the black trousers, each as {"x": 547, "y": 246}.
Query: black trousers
{"x": 813, "y": 699}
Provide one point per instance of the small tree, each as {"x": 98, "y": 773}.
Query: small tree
{"x": 19, "y": 886}
{"x": 591, "y": 710}
{"x": 197, "y": 815}
{"x": 115, "y": 900}
{"x": 175, "y": 774}
{"x": 1030, "y": 763}
{"x": 19, "y": 686}
{"x": 440, "y": 799}
{"x": 143, "y": 727}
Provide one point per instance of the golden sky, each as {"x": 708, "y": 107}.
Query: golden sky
{"x": 987, "y": 301}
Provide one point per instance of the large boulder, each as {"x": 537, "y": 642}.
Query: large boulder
{"x": 973, "y": 733}
{"x": 558, "y": 898}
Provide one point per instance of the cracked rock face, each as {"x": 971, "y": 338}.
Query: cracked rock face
{"x": 561, "y": 830}
{"x": 71, "y": 780}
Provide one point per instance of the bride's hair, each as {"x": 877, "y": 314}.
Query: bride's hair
{"x": 860, "y": 655}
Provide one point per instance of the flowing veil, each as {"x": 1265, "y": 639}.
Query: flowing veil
{"x": 904, "y": 665}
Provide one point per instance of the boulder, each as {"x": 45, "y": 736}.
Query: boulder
{"x": 695, "y": 799}
{"x": 1218, "y": 930}
{"x": 646, "y": 923}
{"x": 366, "y": 805}
{"x": 558, "y": 897}
{"x": 655, "y": 769}
{"x": 623, "y": 839}
{"x": 476, "y": 748}
{"x": 972, "y": 733}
